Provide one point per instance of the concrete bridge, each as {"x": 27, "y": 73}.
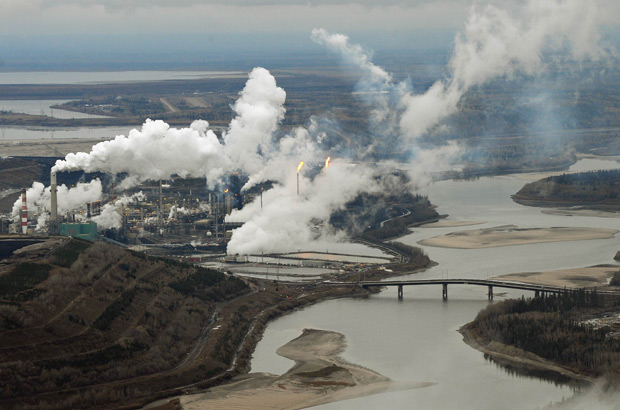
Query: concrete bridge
{"x": 539, "y": 290}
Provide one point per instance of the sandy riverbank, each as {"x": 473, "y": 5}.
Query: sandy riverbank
{"x": 319, "y": 376}
{"x": 509, "y": 235}
{"x": 581, "y": 212}
{"x": 594, "y": 276}
{"x": 446, "y": 223}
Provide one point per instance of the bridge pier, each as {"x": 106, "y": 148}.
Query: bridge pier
{"x": 490, "y": 295}
{"x": 445, "y": 291}
{"x": 400, "y": 292}
{"x": 536, "y": 293}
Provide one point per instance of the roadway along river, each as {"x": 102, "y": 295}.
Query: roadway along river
{"x": 416, "y": 339}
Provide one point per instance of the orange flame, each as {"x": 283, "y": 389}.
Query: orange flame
{"x": 226, "y": 191}
{"x": 327, "y": 162}
{"x": 300, "y": 166}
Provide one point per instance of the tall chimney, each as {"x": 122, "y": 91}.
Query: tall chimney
{"x": 24, "y": 212}
{"x": 53, "y": 224}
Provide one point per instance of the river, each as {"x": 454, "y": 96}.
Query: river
{"x": 416, "y": 339}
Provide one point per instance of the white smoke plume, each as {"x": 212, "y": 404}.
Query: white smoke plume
{"x": 260, "y": 108}
{"x": 498, "y": 43}
{"x": 291, "y": 148}
{"x": 158, "y": 151}
{"x": 495, "y": 43}
{"x": 154, "y": 152}
{"x": 110, "y": 216}
{"x": 73, "y": 199}
{"x": 286, "y": 221}
{"x": 375, "y": 86}
{"x": 175, "y": 211}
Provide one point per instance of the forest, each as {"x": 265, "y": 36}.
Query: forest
{"x": 594, "y": 188}
{"x": 557, "y": 328}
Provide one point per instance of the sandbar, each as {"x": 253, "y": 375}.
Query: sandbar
{"x": 318, "y": 376}
{"x": 510, "y": 235}
{"x": 581, "y": 212}
{"x": 446, "y": 223}
{"x": 593, "y": 276}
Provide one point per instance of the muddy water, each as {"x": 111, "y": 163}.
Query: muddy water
{"x": 416, "y": 339}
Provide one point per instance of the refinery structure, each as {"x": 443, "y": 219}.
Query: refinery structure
{"x": 184, "y": 219}
{"x": 168, "y": 214}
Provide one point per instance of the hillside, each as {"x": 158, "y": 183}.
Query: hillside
{"x": 75, "y": 315}
{"x": 93, "y": 325}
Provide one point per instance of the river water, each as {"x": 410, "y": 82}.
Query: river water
{"x": 416, "y": 339}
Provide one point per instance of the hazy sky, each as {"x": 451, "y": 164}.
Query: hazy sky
{"x": 63, "y": 27}
{"x": 230, "y": 16}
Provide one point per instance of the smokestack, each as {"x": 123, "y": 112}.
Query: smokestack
{"x": 24, "y": 212}
{"x": 299, "y": 167}
{"x": 228, "y": 205}
{"x": 160, "y": 215}
{"x": 53, "y": 224}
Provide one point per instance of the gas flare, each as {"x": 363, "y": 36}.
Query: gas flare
{"x": 300, "y": 166}
{"x": 327, "y": 162}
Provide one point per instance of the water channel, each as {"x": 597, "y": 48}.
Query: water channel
{"x": 416, "y": 339}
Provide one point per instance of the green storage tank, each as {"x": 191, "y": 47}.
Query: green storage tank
{"x": 86, "y": 230}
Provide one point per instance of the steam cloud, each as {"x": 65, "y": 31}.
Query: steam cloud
{"x": 69, "y": 199}
{"x": 495, "y": 43}
{"x": 155, "y": 152}
{"x": 109, "y": 217}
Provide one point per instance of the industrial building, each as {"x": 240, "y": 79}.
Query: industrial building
{"x": 174, "y": 212}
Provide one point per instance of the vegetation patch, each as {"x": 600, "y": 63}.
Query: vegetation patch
{"x": 23, "y": 277}
{"x": 66, "y": 255}
{"x": 112, "y": 311}
{"x": 553, "y": 328}
{"x": 209, "y": 284}
{"x": 588, "y": 188}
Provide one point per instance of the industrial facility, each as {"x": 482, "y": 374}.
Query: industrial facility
{"x": 169, "y": 214}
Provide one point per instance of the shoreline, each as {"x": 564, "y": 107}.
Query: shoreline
{"x": 314, "y": 293}
{"x": 529, "y": 363}
{"x": 525, "y": 362}
{"x": 318, "y": 375}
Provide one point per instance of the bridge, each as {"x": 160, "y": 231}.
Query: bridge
{"x": 539, "y": 290}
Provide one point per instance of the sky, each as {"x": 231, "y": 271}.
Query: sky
{"x": 76, "y": 31}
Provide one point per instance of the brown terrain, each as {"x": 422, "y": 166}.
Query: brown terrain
{"x": 88, "y": 324}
